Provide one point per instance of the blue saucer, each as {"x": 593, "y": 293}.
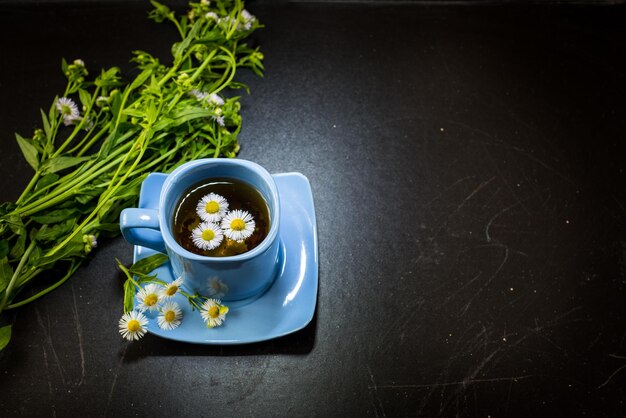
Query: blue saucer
{"x": 287, "y": 306}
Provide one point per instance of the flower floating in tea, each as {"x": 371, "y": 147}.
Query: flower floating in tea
{"x": 132, "y": 325}
{"x": 213, "y": 312}
{"x": 207, "y": 236}
{"x": 212, "y": 208}
{"x": 215, "y": 223}
{"x": 170, "y": 317}
{"x": 238, "y": 225}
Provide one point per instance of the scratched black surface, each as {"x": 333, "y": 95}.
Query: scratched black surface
{"x": 467, "y": 165}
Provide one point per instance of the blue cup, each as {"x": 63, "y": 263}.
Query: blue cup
{"x": 233, "y": 277}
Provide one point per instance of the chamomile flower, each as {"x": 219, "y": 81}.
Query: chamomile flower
{"x": 238, "y": 225}
{"x": 212, "y": 207}
{"x": 172, "y": 288}
{"x": 213, "y": 312}
{"x": 207, "y": 236}
{"x": 248, "y": 19}
{"x": 199, "y": 95}
{"x": 68, "y": 110}
{"x": 215, "y": 99}
{"x": 217, "y": 288}
{"x": 149, "y": 297}
{"x": 170, "y": 316}
{"x": 219, "y": 120}
{"x": 212, "y": 16}
{"x": 132, "y": 325}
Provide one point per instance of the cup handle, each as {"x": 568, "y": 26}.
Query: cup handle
{"x": 140, "y": 226}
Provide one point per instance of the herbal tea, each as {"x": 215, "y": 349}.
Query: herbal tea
{"x": 220, "y": 217}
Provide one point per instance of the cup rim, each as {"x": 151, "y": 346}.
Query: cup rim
{"x": 172, "y": 245}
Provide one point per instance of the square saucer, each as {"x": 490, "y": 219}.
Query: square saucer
{"x": 286, "y": 307}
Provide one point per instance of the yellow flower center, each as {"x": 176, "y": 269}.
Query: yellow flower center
{"x": 214, "y": 311}
{"x": 171, "y": 291}
{"x": 134, "y": 325}
{"x": 208, "y": 234}
{"x": 170, "y": 315}
{"x": 151, "y": 299}
{"x": 237, "y": 225}
{"x": 212, "y": 207}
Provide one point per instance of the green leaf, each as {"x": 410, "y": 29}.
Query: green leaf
{"x": 7, "y": 207}
{"x": 146, "y": 265}
{"x": 54, "y": 232}
{"x": 15, "y": 223}
{"x": 160, "y": 12}
{"x": 52, "y": 114}
{"x": 29, "y": 151}
{"x": 4, "y": 248}
{"x": 6, "y": 272}
{"x": 46, "y": 124}
{"x": 5, "y": 336}
{"x": 129, "y": 296}
{"x": 141, "y": 78}
{"x": 57, "y": 164}
{"x": 88, "y": 193}
{"x": 85, "y": 97}
{"x": 74, "y": 248}
{"x": 55, "y": 216}
{"x": 18, "y": 248}
{"x": 46, "y": 181}
{"x": 134, "y": 112}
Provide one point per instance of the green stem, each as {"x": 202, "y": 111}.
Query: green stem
{"x": 107, "y": 194}
{"x": 129, "y": 276}
{"x": 68, "y": 190}
{"x": 174, "y": 69}
{"x": 80, "y": 125}
{"x": 19, "y": 268}
{"x": 92, "y": 140}
{"x": 49, "y": 289}
{"x": 71, "y": 180}
{"x": 235, "y": 19}
{"x": 30, "y": 185}
{"x": 180, "y": 29}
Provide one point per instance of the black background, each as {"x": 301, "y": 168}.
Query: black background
{"x": 467, "y": 171}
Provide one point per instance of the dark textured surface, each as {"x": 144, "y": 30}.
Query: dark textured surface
{"x": 467, "y": 170}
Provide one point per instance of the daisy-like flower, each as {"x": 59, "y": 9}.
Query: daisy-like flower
{"x": 198, "y": 94}
{"x": 132, "y": 325}
{"x": 213, "y": 313}
{"x": 216, "y": 99}
{"x": 170, "y": 316}
{"x": 68, "y": 110}
{"x": 212, "y": 15}
{"x": 238, "y": 225}
{"x": 212, "y": 207}
{"x": 219, "y": 120}
{"x": 149, "y": 297}
{"x": 248, "y": 19}
{"x": 217, "y": 288}
{"x": 207, "y": 236}
{"x": 172, "y": 288}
